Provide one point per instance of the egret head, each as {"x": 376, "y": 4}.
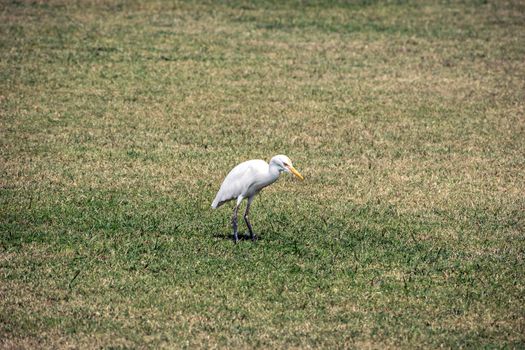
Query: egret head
{"x": 284, "y": 163}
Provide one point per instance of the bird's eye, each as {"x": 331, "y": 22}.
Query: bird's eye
{"x": 285, "y": 164}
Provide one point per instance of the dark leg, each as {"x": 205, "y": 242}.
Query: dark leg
{"x": 234, "y": 224}
{"x": 246, "y": 212}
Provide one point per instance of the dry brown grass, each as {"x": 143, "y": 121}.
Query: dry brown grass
{"x": 119, "y": 120}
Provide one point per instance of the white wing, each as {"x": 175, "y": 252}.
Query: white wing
{"x": 239, "y": 180}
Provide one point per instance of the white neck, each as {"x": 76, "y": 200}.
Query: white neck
{"x": 273, "y": 174}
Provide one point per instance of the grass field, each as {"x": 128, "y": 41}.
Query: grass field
{"x": 119, "y": 120}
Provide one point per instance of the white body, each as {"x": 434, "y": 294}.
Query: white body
{"x": 245, "y": 181}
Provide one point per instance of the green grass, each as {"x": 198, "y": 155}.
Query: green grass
{"x": 118, "y": 121}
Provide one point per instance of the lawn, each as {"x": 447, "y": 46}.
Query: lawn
{"x": 119, "y": 120}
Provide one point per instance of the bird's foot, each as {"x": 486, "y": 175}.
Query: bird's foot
{"x": 254, "y": 237}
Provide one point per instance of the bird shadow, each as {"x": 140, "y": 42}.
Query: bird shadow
{"x": 229, "y": 236}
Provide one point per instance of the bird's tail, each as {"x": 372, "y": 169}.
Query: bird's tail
{"x": 215, "y": 203}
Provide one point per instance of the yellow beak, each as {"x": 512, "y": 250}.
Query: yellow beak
{"x": 295, "y": 172}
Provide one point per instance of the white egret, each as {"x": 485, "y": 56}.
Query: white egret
{"x": 246, "y": 180}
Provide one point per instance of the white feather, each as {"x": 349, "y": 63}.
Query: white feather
{"x": 248, "y": 178}
{"x": 245, "y": 180}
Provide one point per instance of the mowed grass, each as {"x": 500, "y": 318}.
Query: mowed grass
{"x": 119, "y": 121}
